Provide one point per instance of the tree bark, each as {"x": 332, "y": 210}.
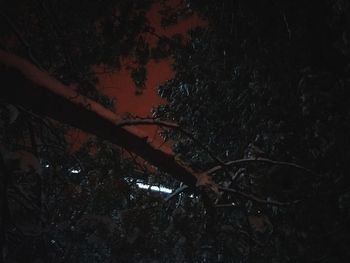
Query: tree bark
{"x": 25, "y": 85}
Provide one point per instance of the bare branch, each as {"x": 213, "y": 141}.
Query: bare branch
{"x": 257, "y": 199}
{"x": 261, "y": 160}
{"x": 176, "y": 192}
{"x": 287, "y": 26}
{"x": 139, "y": 121}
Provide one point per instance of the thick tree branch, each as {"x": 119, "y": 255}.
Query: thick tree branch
{"x": 44, "y": 95}
{"x": 171, "y": 125}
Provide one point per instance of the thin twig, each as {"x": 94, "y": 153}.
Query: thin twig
{"x": 257, "y": 199}
{"x": 176, "y": 192}
{"x": 261, "y": 160}
{"x": 287, "y": 26}
{"x": 229, "y": 205}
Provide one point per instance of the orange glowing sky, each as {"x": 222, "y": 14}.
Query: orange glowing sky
{"x": 120, "y": 86}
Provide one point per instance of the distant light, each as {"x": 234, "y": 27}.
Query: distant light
{"x": 47, "y": 166}
{"x": 154, "y": 188}
{"x": 75, "y": 171}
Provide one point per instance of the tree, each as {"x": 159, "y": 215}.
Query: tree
{"x": 268, "y": 79}
{"x": 259, "y": 99}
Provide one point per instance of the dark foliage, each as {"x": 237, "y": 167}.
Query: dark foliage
{"x": 270, "y": 79}
{"x": 265, "y": 79}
